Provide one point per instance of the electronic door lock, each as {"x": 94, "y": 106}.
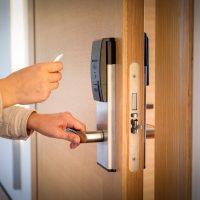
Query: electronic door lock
{"x": 103, "y": 60}
{"x": 103, "y": 55}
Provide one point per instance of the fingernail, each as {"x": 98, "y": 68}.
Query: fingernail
{"x": 77, "y": 140}
{"x": 74, "y": 145}
{"x": 71, "y": 145}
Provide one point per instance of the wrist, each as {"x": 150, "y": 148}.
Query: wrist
{"x": 32, "y": 121}
{"x": 7, "y": 94}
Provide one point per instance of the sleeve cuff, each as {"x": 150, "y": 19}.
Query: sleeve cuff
{"x": 15, "y": 122}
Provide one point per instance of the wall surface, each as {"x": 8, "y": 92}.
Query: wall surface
{"x": 69, "y": 27}
{"x": 13, "y": 56}
{"x": 196, "y": 105}
{"x": 5, "y": 67}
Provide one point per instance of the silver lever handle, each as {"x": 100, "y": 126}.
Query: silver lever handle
{"x": 88, "y": 136}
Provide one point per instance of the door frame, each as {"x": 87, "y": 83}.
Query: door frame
{"x": 133, "y": 52}
{"x": 175, "y": 149}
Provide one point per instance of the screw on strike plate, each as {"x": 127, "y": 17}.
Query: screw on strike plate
{"x": 134, "y": 76}
{"x": 133, "y": 158}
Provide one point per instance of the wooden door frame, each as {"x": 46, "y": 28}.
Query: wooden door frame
{"x": 133, "y": 44}
{"x": 177, "y": 145}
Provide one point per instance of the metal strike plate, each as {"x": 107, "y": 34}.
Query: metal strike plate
{"x": 134, "y": 85}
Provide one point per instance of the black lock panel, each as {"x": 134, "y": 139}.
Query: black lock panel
{"x": 146, "y": 58}
{"x": 103, "y": 53}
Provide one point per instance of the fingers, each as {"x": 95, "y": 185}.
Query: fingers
{"x": 76, "y": 124}
{"x": 55, "y": 77}
{"x": 53, "y": 86}
{"x": 73, "y": 145}
{"x": 51, "y": 75}
{"x": 54, "y": 125}
{"x": 75, "y": 139}
{"x": 55, "y": 66}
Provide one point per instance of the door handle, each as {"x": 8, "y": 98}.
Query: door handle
{"x": 88, "y": 136}
{"x": 92, "y": 136}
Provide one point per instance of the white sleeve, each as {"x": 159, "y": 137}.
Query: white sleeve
{"x": 13, "y": 122}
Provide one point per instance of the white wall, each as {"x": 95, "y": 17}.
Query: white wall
{"x": 5, "y": 68}
{"x": 4, "y": 38}
{"x": 196, "y": 106}
{"x": 14, "y": 54}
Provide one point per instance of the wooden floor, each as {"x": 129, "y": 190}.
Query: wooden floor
{"x": 148, "y": 188}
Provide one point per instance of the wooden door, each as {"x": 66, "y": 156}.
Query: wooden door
{"x": 173, "y": 94}
{"x": 69, "y": 27}
{"x": 133, "y": 52}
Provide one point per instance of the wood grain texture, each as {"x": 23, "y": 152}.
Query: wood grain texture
{"x": 133, "y": 45}
{"x": 149, "y": 28}
{"x": 174, "y": 20}
{"x": 149, "y": 171}
{"x": 69, "y": 27}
